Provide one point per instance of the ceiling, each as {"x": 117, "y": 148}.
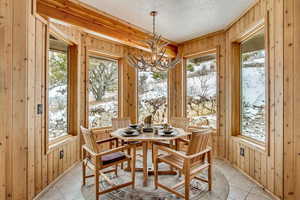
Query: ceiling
{"x": 178, "y": 20}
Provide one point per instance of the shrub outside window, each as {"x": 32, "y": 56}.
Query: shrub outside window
{"x": 103, "y": 91}
{"x": 58, "y": 88}
{"x": 201, "y": 91}
{"x": 152, "y": 96}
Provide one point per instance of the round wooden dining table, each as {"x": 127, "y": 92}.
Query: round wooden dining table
{"x": 147, "y": 138}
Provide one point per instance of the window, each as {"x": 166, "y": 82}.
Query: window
{"x": 152, "y": 96}
{"x": 201, "y": 94}
{"x": 103, "y": 91}
{"x": 58, "y": 88}
{"x": 253, "y": 87}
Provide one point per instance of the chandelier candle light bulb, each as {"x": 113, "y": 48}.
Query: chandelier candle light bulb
{"x": 158, "y": 60}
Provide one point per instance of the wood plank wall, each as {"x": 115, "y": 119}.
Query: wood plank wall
{"x": 265, "y": 169}
{"x": 16, "y": 97}
{"x": 22, "y": 132}
{"x": 278, "y": 171}
{"x": 49, "y": 166}
{"x": 291, "y": 100}
{"x": 22, "y": 65}
{"x": 25, "y": 169}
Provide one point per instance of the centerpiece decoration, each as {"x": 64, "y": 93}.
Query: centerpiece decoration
{"x": 148, "y": 121}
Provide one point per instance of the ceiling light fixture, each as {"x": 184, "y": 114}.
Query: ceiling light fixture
{"x": 158, "y": 60}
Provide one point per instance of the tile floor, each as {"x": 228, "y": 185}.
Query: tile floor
{"x": 241, "y": 187}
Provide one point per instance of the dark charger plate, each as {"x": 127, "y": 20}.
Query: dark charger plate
{"x": 128, "y": 133}
{"x": 168, "y": 132}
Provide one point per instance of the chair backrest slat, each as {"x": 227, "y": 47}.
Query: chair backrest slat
{"x": 199, "y": 142}
{"x": 180, "y": 122}
{"x": 89, "y": 139}
{"x": 118, "y": 123}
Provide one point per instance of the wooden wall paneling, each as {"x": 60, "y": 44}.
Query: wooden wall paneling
{"x": 289, "y": 160}
{"x": 296, "y": 97}
{"x": 50, "y": 169}
{"x": 264, "y": 169}
{"x": 256, "y": 162}
{"x": 40, "y": 36}
{"x": 278, "y": 137}
{"x": 55, "y": 163}
{"x": 83, "y": 79}
{"x": 252, "y": 162}
{"x": 31, "y": 106}
{"x": 6, "y": 10}
{"x": 291, "y": 99}
{"x": 133, "y": 90}
{"x": 270, "y": 160}
{"x": 44, "y": 60}
{"x": 74, "y": 111}
{"x": 257, "y": 166}
{"x": 221, "y": 91}
{"x": 21, "y": 100}
{"x": 235, "y": 84}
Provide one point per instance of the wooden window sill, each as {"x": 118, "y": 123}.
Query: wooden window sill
{"x": 260, "y": 146}
{"x": 59, "y": 142}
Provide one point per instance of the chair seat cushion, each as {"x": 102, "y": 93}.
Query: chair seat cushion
{"x": 112, "y": 157}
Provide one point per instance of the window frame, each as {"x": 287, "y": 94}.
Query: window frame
{"x": 215, "y": 51}
{"x": 241, "y": 94}
{"x": 236, "y": 63}
{"x": 167, "y": 100}
{"x": 95, "y": 53}
{"x": 72, "y": 90}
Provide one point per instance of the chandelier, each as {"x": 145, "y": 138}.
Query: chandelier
{"x": 158, "y": 61}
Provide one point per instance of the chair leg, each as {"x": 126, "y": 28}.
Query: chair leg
{"x": 122, "y": 143}
{"x": 173, "y": 147}
{"x": 187, "y": 186}
{"x": 155, "y": 164}
{"x": 96, "y": 183}
{"x": 133, "y": 158}
{"x": 83, "y": 173}
{"x": 152, "y": 152}
{"x": 128, "y": 163}
{"x": 209, "y": 171}
{"x": 187, "y": 179}
{"x": 116, "y": 170}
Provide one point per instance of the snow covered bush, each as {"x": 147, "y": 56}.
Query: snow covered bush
{"x": 253, "y": 95}
{"x": 58, "y": 94}
{"x": 152, "y": 96}
{"x": 201, "y": 101}
{"x": 103, "y": 91}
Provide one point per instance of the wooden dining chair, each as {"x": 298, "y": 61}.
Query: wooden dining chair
{"x": 180, "y": 122}
{"x": 189, "y": 163}
{"x": 118, "y": 123}
{"x": 97, "y": 161}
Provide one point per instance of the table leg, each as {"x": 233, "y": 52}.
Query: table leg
{"x": 145, "y": 158}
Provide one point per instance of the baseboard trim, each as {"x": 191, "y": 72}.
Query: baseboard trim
{"x": 55, "y": 181}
